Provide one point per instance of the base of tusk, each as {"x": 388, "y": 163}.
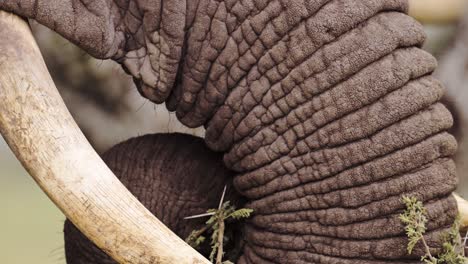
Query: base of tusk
{"x": 437, "y": 11}
{"x": 462, "y": 211}
{"x": 43, "y": 135}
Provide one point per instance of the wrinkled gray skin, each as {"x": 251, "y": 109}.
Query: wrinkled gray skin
{"x": 325, "y": 109}
{"x": 174, "y": 176}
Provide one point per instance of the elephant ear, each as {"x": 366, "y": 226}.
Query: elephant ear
{"x": 146, "y": 37}
{"x": 173, "y": 175}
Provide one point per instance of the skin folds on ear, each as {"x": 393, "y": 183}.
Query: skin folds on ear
{"x": 173, "y": 175}
{"x": 145, "y": 36}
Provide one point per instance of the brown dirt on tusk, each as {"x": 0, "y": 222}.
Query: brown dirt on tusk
{"x": 41, "y": 132}
{"x": 437, "y": 11}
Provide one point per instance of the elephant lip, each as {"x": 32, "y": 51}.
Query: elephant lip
{"x": 41, "y": 132}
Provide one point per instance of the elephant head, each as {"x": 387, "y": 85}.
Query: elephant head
{"x": 325, "y": 111}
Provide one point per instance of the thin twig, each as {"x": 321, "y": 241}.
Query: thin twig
{"x": 202, "y": 230}
{"x": 220, "y": 253}
{"x": 219, "y": 257}
{"x": 465, "y": 239}
{"x": 199, "y": 215}
{"x": 222, "y": 198}
{"x": 428, "y": 249}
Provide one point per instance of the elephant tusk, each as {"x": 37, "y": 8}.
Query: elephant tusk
{"x": 437, "y": 11}
{"x": 462, "y": 211}
{"x": 41, "y": 132}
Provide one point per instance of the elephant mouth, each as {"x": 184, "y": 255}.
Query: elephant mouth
{"x": 43, "y": 135}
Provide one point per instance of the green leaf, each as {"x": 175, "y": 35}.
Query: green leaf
{"x": 241, "y": 213}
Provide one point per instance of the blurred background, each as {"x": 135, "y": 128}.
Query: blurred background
{"x": 108, "y": 108}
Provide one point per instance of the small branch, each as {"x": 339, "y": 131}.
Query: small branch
{"x": 201, "y": 231}
{"x": 465, "y": 239}
{"x": 220, "y": 253}
{"x": 428, "y": 249}
{"x": 199, "y": 215}
{"x": 221, "y": 201}
{"x": 221, "y": 218}
{"x": 217, "y": 223}
{"x": 415, "y": 218}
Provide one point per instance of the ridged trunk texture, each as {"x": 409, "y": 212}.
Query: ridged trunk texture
{"x": 328, "y": 113}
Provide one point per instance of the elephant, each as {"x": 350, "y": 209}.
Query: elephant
{"x": 324, "y": 113}
{"x": 175, "y": 168}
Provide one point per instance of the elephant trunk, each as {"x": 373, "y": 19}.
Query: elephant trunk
{"x": 328, "y": 112}
{"x": 44, "y": 137}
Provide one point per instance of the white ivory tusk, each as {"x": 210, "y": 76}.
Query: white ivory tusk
{"x": 463, "y": 211}
{"x": 41, "y": 132}
{"x": 437, "y": 11}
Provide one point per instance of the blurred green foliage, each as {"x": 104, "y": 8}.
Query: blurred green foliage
{"x": 30, "y": 224}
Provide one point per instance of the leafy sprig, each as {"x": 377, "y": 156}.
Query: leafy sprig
{"x": 216, "y": 224}
{"x": 415, "y": 219}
